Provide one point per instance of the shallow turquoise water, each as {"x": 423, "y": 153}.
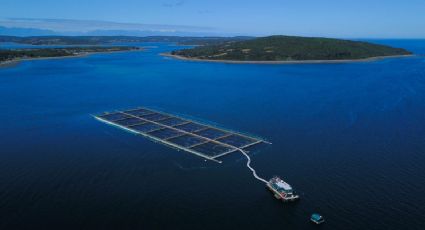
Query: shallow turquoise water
{"x": 349, "y": 137}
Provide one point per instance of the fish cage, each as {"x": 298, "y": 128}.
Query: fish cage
{"x": 204, "y": 140}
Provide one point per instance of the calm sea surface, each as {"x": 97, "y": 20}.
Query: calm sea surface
{"x": 349, "y": 137}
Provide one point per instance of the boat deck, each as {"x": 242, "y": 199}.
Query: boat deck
{"x": 201, "y": 139}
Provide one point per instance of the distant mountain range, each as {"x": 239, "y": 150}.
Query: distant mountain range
{"x": 97, "y": 40}
{"x": 65, "y": 27}
{"x": 25, "y": 31}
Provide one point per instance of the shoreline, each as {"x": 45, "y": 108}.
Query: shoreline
{"x": 371, "y": 59}
{"x": 16, "y": 61}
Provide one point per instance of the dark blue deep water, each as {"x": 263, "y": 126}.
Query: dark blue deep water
{"x": 349, "y": 137}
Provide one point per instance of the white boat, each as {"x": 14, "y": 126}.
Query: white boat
{"x": 282, "y": 190}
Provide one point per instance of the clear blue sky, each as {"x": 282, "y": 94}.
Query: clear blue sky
{"x": 335, "y": 18}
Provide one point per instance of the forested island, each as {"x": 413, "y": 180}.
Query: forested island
{"x": 8, "y": 56}
{"x": 280, "y": 49}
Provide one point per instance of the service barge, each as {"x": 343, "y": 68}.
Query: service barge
{"x": 282, "y": 190}
{"x": 317, "y": 218}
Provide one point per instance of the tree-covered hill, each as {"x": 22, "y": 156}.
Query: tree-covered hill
{"x": 289, "y": 48}
{"x": 10, "y": 55}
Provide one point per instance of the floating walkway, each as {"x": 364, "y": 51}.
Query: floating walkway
{"x": 248, "y": 164}
{"x": 203, "y": 140}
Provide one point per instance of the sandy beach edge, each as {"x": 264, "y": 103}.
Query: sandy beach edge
{"x": 286, "y": 62}
{"x": 14, "y": 62}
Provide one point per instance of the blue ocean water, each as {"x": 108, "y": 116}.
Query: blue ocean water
{"x": 349, "y": 137}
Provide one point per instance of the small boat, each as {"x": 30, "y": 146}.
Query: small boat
{"x": 317, "y": 218}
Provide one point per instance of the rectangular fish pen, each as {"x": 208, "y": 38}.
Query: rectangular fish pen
{"x": 201, "y": 139}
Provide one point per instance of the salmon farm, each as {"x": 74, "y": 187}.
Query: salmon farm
{"x": 204, "y": 140}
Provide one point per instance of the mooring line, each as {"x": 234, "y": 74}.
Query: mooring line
{"x": 248, "y": 164}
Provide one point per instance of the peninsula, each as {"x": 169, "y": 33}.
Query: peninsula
{"x": 12, "y": 56}
{"x": 289, "y": 49}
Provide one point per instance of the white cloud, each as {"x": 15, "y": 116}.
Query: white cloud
{"x": 173, "y": 3}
